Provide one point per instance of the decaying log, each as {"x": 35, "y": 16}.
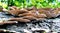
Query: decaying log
{"x": 33, "y": 11}
{"x": 23, "y": 11}
{"x": 15, "y": 11}
{"x": 29, "y": 17}
{"x": 41, "y": 19}
{"x": 49, "y": 12}
{"x": 26, "y": 14}
{"x": 7, "y": 22}
{"x": 19, "y": 19}
{"x": 41, "y": 16}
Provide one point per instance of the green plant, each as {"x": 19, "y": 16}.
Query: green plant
{"x": 29, "y": 3}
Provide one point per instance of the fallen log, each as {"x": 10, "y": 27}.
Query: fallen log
{"x": 29, "y": 17}
{"x": 19, "y": 19}
{"x": 7, "y": 22}
{"x": 49, "y": 13}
